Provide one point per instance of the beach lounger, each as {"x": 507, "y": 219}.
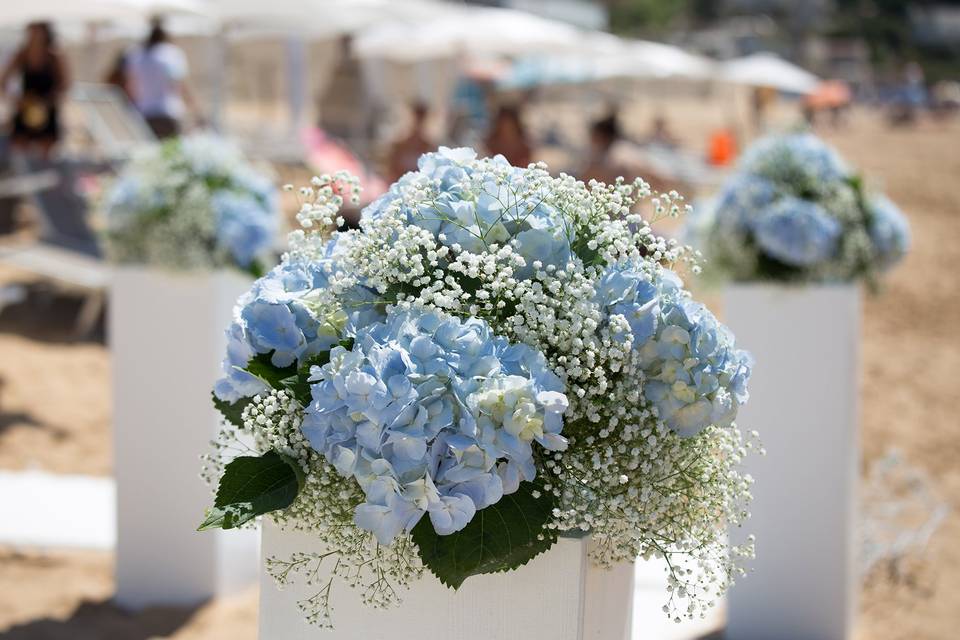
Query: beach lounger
{"x": 67, "y": 252}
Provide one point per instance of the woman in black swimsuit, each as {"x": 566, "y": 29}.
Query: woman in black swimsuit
{"x": 43, "y": 83}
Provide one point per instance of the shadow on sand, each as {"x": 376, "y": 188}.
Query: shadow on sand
{"x": 48, "y": 315}
{"x": 102, "y": 621}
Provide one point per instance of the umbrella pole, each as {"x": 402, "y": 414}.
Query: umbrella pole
{"x": 221, "y": 54}
{"x": 297, "y": 83}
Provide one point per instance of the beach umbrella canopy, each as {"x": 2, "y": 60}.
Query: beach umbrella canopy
{"x": 320, "y": 18}
{"x": 463, "y": 30}
{"x": 769, "y": 70}
{"x": 93, "y": 11}
{"x": 602, "y": 57}
{"x": 646, "y": 59}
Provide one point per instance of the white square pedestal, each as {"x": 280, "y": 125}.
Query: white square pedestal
{"x": 559, "y": 595}
{"x": 804, "y": 402}
{"x": 167, "y": 341}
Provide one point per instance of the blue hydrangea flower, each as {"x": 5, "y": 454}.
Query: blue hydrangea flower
{"x": 797, "y": 232}
{"x": 794, "y": 157}
{"x": 237, "y": 383}
{"x": 432, "y": 415}
{"x": 244, "y": 227}
{"x": 629, "y": 292}
{"x": 283, "y": 315}
{"x": 889, "y": 231}
{"x": 476, "y": 215}
{"x": 258, "y": 185}
{"x": 743, "y": 199}
{"x": 695, "y": 375}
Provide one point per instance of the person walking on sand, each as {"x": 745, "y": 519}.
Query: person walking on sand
{"x": 405, "y": 153}
{"x": 156, "y": 74}
{"x": 508, "y": 137}
{"x": 43, "y": 84}
{"x": 602, "y": 165}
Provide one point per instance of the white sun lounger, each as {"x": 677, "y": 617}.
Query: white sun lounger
{"x": 67, "y": 253}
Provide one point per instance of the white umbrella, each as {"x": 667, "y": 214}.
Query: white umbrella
{"x": 611, "y": 58}
{"x": 478, "y": 31}
{"x": 645, "y": 59}
{"x": 93, "y": 11}
{"x": 769, "y": 70}
{"x": 166, "y": 7}
{"x": 319, "y": 18}
{"x": 19, "y": 13}
{"x": 602, "y": 57}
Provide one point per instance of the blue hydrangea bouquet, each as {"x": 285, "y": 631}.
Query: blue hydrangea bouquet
{"x": 795, "y": 212}
{"x": 191, "y": 203}
{"x": 498, "y": 357}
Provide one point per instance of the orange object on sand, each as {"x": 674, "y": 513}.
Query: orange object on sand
{"x": 722, "y": 149}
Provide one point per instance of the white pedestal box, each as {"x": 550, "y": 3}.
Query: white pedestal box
{"x": 559, "y": 595}
{"x": 167, "y": 340}
{"x": 804, "y": 402}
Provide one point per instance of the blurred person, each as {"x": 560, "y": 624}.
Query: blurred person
{"x": 601, "y": 163}
{"x": 344, "y": 106}
{"x": 945, "y": 98}
{"x": 470, "y": 116}
{"x": 612, "y": 155}
{"x": 117, "y": 75}
{"x": 508, "y": 137}
{"x": 660, "y": 134}
{"x": 43, "y": 84}
{"x": 405, "y": 152}
{"x": 915, "y": 85}
{"x": 155, "y": 78}
{"x": 761, "y": 100}
{"x": 909, "y": 96}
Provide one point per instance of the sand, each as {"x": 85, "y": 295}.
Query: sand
{"x": 911, "y": 355}
{"x": 55, "y": 415}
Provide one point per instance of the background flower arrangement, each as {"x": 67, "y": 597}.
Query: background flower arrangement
{"x": 795, "y": 212}
{"x": 191, "y": 203}
{"x": 497, "y": 358}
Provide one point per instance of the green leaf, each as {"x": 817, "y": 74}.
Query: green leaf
{"x": 256, "y": 268}
{"x": 232, "y": 411}
{"x": 252, "y": 486}
{"x": 502, "y": 537}
{"x": 291, "y": 378}
{"x": 298, "y": 384}
{"x": 261, "y": 367}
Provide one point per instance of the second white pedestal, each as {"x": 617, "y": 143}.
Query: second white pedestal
{"x": 167, "y": 341}
{"x": 559, "y": 595}
{"x": 804, "y": 402}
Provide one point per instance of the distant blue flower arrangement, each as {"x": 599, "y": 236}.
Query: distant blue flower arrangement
{"x": 794, "y": 211}
{"x": 191, "y": 204}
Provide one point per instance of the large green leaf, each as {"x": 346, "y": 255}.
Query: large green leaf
{"x": 504, "y": 536}
{"x": 252, "y": 486}
{"x": 232, "y": 411}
